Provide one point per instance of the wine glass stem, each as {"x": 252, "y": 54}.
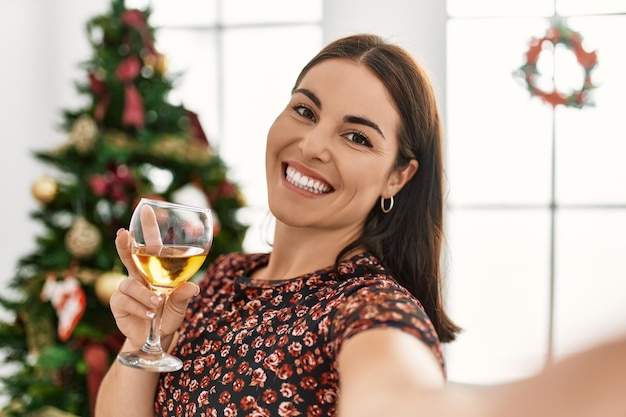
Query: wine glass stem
{"x": 153, "y": 342}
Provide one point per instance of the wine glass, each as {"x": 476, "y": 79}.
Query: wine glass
{"x": 169, "y": 244}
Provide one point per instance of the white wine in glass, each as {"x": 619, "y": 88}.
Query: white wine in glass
{"x": 169, "y": 244}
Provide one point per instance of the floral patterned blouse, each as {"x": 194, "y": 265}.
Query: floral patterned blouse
{"x": 271, "y": 349}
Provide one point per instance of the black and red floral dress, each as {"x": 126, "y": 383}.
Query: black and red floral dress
{"x": 271, "y": 349}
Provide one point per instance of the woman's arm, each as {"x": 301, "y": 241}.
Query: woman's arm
{"x": 386, "y": 372}
{"x": 591, "y": 383}
{"x": 127, "y": 391}
{"x": 383, "y": 372}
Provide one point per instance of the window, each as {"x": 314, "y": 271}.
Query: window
{"x": 238, "y": 60}
{"x": 537, "y": 198}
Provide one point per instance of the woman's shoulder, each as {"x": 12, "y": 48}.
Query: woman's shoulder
{"x": 372, "y": 297}
{"x": 365, "y": 270}
{"x": 364, "y": 278}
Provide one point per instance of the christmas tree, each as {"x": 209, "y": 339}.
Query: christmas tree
{"x": 128, "y": 142}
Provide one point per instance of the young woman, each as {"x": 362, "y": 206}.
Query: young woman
{"x": 345, "y": 315}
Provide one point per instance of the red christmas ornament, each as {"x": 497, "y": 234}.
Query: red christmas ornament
{"x": 126, "y": 72}
{"x": 102, "y": 95}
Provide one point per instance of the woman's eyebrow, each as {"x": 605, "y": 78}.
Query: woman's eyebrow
{"x": 363, "y": 121}
{"x": 310, "y": 95}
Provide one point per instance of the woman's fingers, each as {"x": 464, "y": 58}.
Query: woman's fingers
{"x": 133, "y": 304}
{"x": 122, "y": 244}
{"x": 180, "y": 296}
{"x": 133, "y": 298}
{"x": 176, "y": 306}
{"x": 150, "y": 227}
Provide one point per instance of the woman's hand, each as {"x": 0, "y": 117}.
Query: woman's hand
{"x": 134, "y": 304}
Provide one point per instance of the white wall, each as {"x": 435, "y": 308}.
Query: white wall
{"x": 41, "y": 43}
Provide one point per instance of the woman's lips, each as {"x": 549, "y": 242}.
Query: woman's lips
{"x": 305, "y": 182}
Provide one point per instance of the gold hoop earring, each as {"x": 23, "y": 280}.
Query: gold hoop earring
{"x": 382, "y": 204}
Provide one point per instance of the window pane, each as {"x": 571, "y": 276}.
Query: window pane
{"x": 459, "y": 8}
{"x": 591, "y": 143}
{"x": 178, "y": 13}
{"x": 591, "y": 278}
{"x": 569, "y": 7}
{"x": 260, "y": 67}
{"x": 193, "y": 54}
{"x": 254, "y": 11}
{"x": 498, "y": 138}
{"x": 498, "y": 291}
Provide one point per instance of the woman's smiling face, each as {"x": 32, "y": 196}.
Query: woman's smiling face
{"x": 330, "y": 153}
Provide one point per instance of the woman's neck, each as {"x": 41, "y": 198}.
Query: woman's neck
{"x": 299, "y": 251}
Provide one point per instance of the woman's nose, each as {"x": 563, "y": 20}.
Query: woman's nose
{"x": 316, "y": 144}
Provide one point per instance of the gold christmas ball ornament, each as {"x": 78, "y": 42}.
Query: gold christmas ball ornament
{"x": 83, "y": 238}
{"x": 156, "y": 61}
{"x": 45, "y": 189}
{"x": 161, "y": 66}
{"x": 106, "y": 284}
{"x": 83, "y": 134}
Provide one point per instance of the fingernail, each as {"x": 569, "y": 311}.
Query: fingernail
{"x": 118, "y": 231}
{"x": 197, "y": 290}
{"x": 156, "y": 300}
{"x": 150, "y": 314}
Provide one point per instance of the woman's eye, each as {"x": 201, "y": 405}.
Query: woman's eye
{"x": 304, "y": 111}
{"x": 359, "y": 139}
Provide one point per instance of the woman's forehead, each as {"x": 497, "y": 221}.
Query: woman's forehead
{"x": 351, "y": 87}
{"x": 336, "y": 77}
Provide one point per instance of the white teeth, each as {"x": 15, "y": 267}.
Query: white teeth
{"x": 302, "y": 181}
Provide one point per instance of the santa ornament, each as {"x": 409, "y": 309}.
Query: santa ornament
{"x": 69, "y": 301}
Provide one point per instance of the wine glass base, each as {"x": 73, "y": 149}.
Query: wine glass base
{"x": 155, "y": 362}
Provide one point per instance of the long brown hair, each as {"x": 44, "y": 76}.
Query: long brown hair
{"x": 407, "y": 240}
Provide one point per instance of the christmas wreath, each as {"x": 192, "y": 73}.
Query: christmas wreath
{"x": 556, "y": 34}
